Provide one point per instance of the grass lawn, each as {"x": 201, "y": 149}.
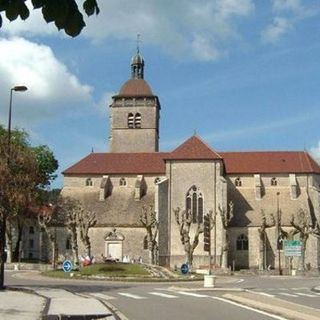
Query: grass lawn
{"x": 106, "y": 270}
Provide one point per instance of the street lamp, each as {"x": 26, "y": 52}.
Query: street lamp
{"x": 279, "y": 234}
{"x": 19, "y": 89}
{"x": 4, "y": 214}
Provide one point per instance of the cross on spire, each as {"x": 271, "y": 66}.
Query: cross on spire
{"x": 138, "y": 42}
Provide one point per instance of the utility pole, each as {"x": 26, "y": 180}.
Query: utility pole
{"x": 279, "y": 238}
{"x": 207, "y": 238}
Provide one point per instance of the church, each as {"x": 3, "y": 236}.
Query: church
{"x": 256, "y": 198}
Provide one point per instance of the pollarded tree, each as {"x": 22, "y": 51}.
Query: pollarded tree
{"x": 264, "y": 224}
{"x": 64, "y": 13}
{"x": 302, "y": 223}
{"x": 226, "y": 216}
{"x": 148, "y": 218}
{"x": 184, "y": 221}
{"x": 86, "y": 219}
{"x": 69, "y": 209}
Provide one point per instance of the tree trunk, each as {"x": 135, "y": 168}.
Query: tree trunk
{"x": 261, "y": 251}
{"x": 17, "y": 252}
{"x": 224, "y": 246}
{"x": 75, "y": 251}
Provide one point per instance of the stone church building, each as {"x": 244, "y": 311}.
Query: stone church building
{"x": 262, "y": 187}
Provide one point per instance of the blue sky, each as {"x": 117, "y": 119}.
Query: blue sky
{"x": 243, "y": 74}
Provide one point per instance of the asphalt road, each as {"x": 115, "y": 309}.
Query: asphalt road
{"x": 139, "y": 301}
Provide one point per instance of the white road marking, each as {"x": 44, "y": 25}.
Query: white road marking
{"x": 240, "y": 280}
{"x": 306, "y": 295}
{"x": 164, "y": 295}
{"x": 301, "y": 288}
{"x": 101, "y": 296}
{"x": 265, "y": 294}
{"x": 249, "y": 308}
{"x": 192, "y": 294}
{"x": 130, "y": 295}
{"x": 288, "y": 294}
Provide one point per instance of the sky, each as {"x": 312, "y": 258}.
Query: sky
{"x": 243, "y": 74}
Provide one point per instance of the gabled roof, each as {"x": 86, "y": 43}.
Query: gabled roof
{"x": 269, "y": 162}
{"x": 120, "y": 163}
{"x": 193, "y": 149}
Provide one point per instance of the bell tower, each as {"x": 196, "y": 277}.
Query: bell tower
{"x": 135, "y": 113}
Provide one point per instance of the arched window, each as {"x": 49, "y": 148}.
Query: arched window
{"x": 157, "y": 180}
{"x": 137, "y": 120}
{"x": 89, "y": 182}
{"x": 194, "y": 204}
{"x": 145, "y": 243}
{"x": 242, "y": 242}
{"x": 31, "y": 230}
{"x": 238, "y": 182}
{"x": 123, "y": 182}
{"x": 130, "y": 120}
{"x": 274, "y": 181}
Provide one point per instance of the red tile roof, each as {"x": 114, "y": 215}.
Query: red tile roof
{"x": 269, "y": 162}
{"x": 193, "y": 149}
{"x": 120, "y": 163}
{"x": 135, "y": 88}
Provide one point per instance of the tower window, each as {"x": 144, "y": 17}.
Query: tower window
{"x": 242, "y": 242}
{"x": 274, "y": 181}
{"x": 194, "y": 204}
{"x": 130, "y": 121}
{"x": 123, "y": 182}
{"x": 137, "y": 120}
{"x": 31, "y": 230}
{"x": 89, "y": 182}
{"x": 238, "y": 182}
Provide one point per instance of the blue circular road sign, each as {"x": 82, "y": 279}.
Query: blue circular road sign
{"x": 184, "y": 268}
{"x": 67, "y": 266}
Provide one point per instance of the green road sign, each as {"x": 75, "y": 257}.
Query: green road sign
{"x": 292, "y": 248}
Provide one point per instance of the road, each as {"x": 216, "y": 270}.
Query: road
{"x": 139, "y": 301}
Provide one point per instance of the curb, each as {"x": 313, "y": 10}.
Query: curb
{"x": 219, "y": 289}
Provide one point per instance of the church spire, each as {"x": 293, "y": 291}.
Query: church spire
{"x": 137, "y": 63}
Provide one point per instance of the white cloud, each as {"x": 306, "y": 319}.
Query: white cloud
{"x": 103, "y": 105}
{"x": 51, "y": 86}
{"x": 315, "y": 152}
{"x": 188, "y": 28}
{"x": 286, "y": 5}
{"x": 279, "y": 27}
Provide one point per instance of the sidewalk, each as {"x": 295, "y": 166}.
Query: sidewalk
{"x": 51, "y": 304}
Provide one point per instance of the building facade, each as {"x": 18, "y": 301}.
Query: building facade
{"x": 252, "y": 195}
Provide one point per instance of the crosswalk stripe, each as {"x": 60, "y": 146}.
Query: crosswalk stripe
{"x": 306, "y": 295}
{"x": 265, "y": 294}
{"x": 192, "y": 294}
{"x": 288, "y": 294}
{"x": 130, "y": 295}
{"x": 164, "y": 295}
{"x": 101, "y": 296}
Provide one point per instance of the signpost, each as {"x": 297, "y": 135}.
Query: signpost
{"x": 184, "y": 268}
{"x": 67, "y": 266}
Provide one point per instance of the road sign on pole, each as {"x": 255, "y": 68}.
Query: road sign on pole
{"x": 292, "y": 248}
{"x": 184, "y": 268}
{"x": 67, "y": 266}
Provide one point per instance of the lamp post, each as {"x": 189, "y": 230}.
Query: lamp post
{"x": 279, "y": 233}
{"x": 4, "y": 214}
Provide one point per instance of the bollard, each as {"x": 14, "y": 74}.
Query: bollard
{"x": 209, "y": 281}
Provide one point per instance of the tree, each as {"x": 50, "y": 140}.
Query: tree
{"x": 86, "y": 219}
{"x": 302, "y": 223}
{"x": 149, "y": 220}
{"x": 263, "y": 236}
{"x": 21, "y": 178}
{"x": 69, "y": 209}
{"x": 47, "y": 218}
{"x": 64, "y": 13}
{"x": 226, "y": 217}
{"x": 184, "y": 221}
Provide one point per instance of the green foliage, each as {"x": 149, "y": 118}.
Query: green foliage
{"x": 64, "y": 13}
